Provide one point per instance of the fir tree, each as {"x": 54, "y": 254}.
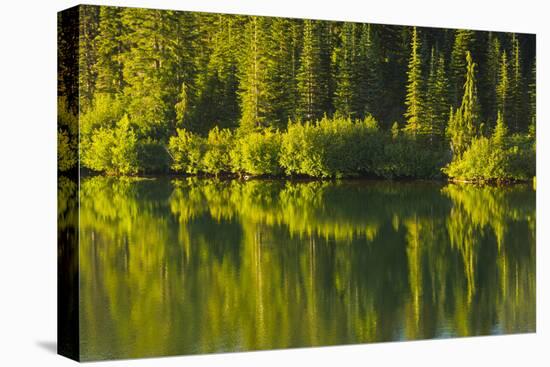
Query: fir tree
{"x": 89, "y": 29}
{"x": 311, "y": 86}
{"x": 369, "y": 88}
{"x": 503, "y": 87}
{"x": 253, "y": 75}
{"x": 110, "y": 50}
{"x": 414, "y": 100}
{"x": 464, "y": 40}
{"x": 462, "y": 122}
{"x": 516, "y": 87}
{"x": 345, "y": 60}
{"x": 491, "y": 77}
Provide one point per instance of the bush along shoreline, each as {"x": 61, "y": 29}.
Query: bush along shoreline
{"x": 327, "y": 149}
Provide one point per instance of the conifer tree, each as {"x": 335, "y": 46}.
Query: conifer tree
{"x": 503, "y": 87}
{"x": 436, "y": 98}
{"x": 110, "y": 50}
{"x": 462, "y": 122}
{"x": 464, "y": 40}
{"x": 89, "y": 29}
{"x": 414, "y": 100}
{"x": 311, "y": 86}
{"x": 491, "y": 77}
{"x": 345, "y": 59}
{"x": 369, "y": 88}
{"x": 516, "y": 86}
{"x": 532, "y": 93}
{"x": 253, "y": 75}
{"x": 282, "y": 45}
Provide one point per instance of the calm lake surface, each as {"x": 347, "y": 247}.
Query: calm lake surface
{"x": 184, "y": 266}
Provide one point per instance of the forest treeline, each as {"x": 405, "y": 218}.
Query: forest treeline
{"x": 155, "y": 91}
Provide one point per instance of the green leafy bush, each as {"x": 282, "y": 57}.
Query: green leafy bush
{"x": 187, "y": 151}
{"x": 257, "y": 153}
{"x": 498, "y": 158}
{"x": 113, "y": 150}
{"x": 217, "y": 157}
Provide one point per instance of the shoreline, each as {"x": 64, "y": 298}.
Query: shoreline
{"x": 233, "y": 176}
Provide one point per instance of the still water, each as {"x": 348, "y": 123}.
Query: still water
{"x": 184, "y": 266}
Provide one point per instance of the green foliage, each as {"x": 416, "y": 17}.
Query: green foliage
{"x": 67, "y": 137}
{"x": 462, "y": 126}
{"x": 165, "y": 70}
{"x": 329, "y": 148}
{"x": 498, "y": 158}
{"x": 113, "y": 150}
{"x": 217, "y": 157}
{"x": 312, "y": 79}
{"x": 187, "y": 151}
{"x": 257, "y": 153}
{"x": 67, "y": 157}
{"x": 414, "y": 100}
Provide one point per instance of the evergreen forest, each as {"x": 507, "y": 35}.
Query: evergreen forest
{"x": 145, "y": 91}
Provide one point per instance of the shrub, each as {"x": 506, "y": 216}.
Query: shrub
{"x": 113, "y": 150}
{"x": 217, "y": 157}
{"x": 257, "y": 153}
{"x": 330, "y": 148}
{"x": 498, "y": 158}
{"x": 187, "y": 151}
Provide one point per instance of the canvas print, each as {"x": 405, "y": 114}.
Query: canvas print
{"x": 235, "y": 183}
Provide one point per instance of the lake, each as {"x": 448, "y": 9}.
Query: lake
{"x": 183, "y": 266}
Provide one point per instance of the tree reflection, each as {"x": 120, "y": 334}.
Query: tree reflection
{"x": 204, "y": 265}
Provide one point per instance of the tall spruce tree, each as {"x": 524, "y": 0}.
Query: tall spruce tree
{"x": 345, "y": 60}
{"x": 281, "y": 71}
{"x": 89, "y": 29}
{"x": 110, "y": 50}
{"x": 436, "y": 99}
{"x": 253, "y": 80}
{"x": 516, "y": 86}
{"x": 463, "y": 43}
{"x": 532, "y": 93}
{"x": 369, "y": 78}
{"x": 463, "y": 122}
{"x": 414, "y": 101}
{"x": 503, "y": 87}
{"x": 311, "y": 83}
{"x": 491, "y": 76}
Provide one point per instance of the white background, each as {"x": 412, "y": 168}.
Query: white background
{"x": 28, "y": 182}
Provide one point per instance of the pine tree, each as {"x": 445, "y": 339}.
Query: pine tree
{"x": 369, "y": 88}
{"x": 110, "y": 51}
{"x": 281, "y": 71}
{"x": 311, "y": 82}
{"x": 414, "y": 100}
{"x": 464, "y": 40}
{"x": 89, "y": 29}
{"x": 345, "y": 60}
{"x": 436, "y": 98}
{"x": 516, "y": 87}
{"x": 491, "y": 77}
{"x": 253, "y": 75}
{"x": 503, "y": 87}
{"x": 532, "y": 93}
{"x": 463, "y": 122}
{"x": 500, "y": 131}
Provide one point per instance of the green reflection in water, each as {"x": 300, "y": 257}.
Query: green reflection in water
{"x": 198, "y": 265}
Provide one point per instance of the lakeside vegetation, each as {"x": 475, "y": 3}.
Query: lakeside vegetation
{"x": 162, "y": 91}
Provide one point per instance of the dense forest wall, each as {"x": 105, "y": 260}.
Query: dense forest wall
{"x": 147, "y": 75}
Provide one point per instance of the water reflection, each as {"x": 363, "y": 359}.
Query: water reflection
{"x": 197, "y": 265}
